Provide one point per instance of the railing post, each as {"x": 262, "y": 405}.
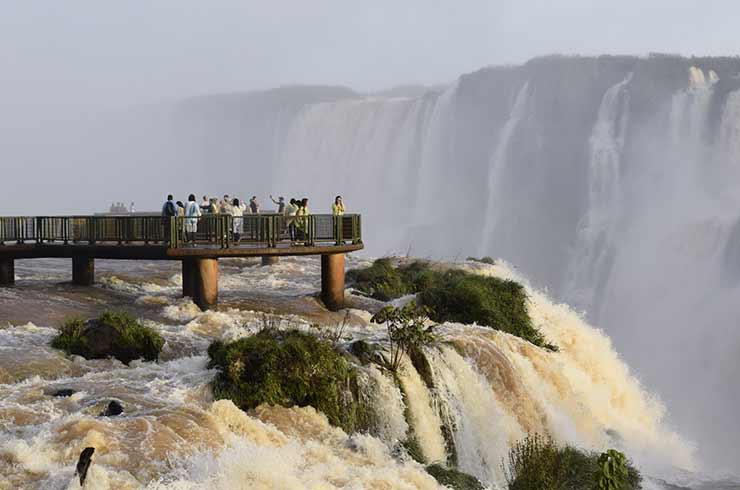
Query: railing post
{"x": 91, "y": 230}
{"x": 39, "y": 234}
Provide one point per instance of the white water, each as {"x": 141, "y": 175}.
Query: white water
{"x": 598, "y": 230}
{"x": 499, "y": 161}
{"x": 173, "y": 436}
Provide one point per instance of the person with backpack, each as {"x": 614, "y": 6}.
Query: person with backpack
{"x": 169, "y": 210}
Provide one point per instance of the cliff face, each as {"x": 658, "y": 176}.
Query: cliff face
{"x": 609, "y": 180}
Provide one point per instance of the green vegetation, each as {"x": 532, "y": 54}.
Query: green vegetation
{"x": 537, "y": 462}
{"x": 114, "y": 334}
{"x": 381, "y": 280}
{"x": 453, "y": 295}
{"x": 454, "y": 479}
{"x": 289, "y": 368}
{"x": 612, "y": 473}
{"x": 406, "y": 331}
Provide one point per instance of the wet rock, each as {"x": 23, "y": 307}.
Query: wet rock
{"x": 454, "y": 479}
{"x": 63, "y": 393}
{"x": 363, "y": 350}
{"x": 114, "y": 408}
{"x": 83, "y": 464}
{"x": 114, "y": 334}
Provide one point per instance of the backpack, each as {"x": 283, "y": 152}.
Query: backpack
{"x": 170, "y": 209}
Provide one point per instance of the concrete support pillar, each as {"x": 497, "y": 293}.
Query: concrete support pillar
{"x": 332, "y": 281}
{"x": 7, "y": 272}
{"x": 188, "y": 278}
{"x": 200, "y": 281}
{"x": 83, "y": 270}
{"x": 270, "y": 260}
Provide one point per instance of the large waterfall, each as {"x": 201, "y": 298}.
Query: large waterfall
{"x": 612, "y": 182}
{"x": 480, "y": 391}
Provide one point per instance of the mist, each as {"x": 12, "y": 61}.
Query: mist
{"x": 403, "y": 109}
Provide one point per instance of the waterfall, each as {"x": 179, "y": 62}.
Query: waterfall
{"x": 593, "y": 254}
{"x": 424, "y": 419}
{"x": 610, "y": 181}
{"x": 499, "y": 160}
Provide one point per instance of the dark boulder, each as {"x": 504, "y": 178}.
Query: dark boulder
{"x": 63, "y": 393}
{"x": 114, "y": 408}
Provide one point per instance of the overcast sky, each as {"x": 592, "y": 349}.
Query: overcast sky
{"x": 90, "y": 51}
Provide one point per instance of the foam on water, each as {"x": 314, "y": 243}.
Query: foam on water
{"x": 489, "y": 392}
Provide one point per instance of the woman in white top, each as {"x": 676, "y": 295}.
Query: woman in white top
{"x": 237, "y": 211}
{"x": 192, "y": 213}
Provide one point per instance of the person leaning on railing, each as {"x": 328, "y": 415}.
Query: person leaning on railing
{"x": 192, "y": 213}
{"x": 169, "y": 210}
{"x": 290, "y": 213}
{"x": 302, "y": 220}
{"x": 237, "y": 211}
{"x": 337, "y": 209}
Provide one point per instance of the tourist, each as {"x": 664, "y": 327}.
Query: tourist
{"x": 237, "y": 211}
{"x": 302, "y": 221}
{"x": 280, "y": 204}
{"x": 337, "y": 209}
{"x": 213, "y": 207}
{"x": 169, "y": 208}
{"x": 205, "y": 204}
{"x": 225, "y": 205}
{"x": 290, "y": 213}
{"x": 169, "y": 211}
{"x": 254, "y": 205}
{"x": 131, "y": 208}
{"x": 192, "y": 212}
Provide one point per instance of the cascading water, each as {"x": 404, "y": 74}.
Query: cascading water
{"x": 597, "y": 235}
{"x": 481, "y": 396}
{"x": 499, "y": 160}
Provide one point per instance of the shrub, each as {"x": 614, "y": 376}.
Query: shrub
{"x": 381, "y": 280}
{"x": 466, "y": 298}
{"x": 454, "y": 295}
{"x": 406, "y": 331}
{"x": 288, "y": 368}
{"x": 114, "y": 334}
{"x": 454, "y": 479}
{"x": 537, "y": 463}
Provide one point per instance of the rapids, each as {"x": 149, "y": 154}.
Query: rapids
{"x": 488, "y": 391}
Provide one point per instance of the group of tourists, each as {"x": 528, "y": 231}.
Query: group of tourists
{"x": 295, "y": 213}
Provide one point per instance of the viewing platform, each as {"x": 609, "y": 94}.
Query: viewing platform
{"x": 150, "y": 237}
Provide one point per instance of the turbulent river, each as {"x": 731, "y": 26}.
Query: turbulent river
{"x": 491, "y": 390}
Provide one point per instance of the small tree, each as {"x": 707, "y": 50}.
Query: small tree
{"x": 406, "y": 330}
{"x": 612, "y": 471}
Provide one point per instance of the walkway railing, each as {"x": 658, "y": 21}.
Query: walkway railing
{"x": 224, "y": 231}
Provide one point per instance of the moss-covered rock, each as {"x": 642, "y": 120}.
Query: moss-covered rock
{"x": 381, "y": 280}
{"x": 454, "y": 479}
{"x": 364, "y": 351}
{"x": 453, "y": 295}
{"x": 466, "y": 298}
{"x": 114, "y": 334}
{"x": 289, "y": 368}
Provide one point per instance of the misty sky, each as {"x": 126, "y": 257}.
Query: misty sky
{"x": 67, "y": 53}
